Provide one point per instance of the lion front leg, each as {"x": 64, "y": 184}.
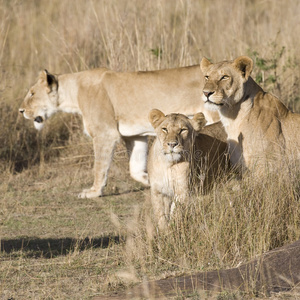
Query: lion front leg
{"x": 103, "y": 149}
{"x": 161, "y": 208}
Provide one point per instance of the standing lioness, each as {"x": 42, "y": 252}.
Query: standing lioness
{"x": 115, "y": 105}
{"x": 262, "y": 133}
{"x": 182, "y": 160}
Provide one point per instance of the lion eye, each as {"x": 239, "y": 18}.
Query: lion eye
{"x": 182, "y": 130}
{"x": 206, "y": 77}
{"x": 165, "y": 130}
{"x": 224, "y": 77}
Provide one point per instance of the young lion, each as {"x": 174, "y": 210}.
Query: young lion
{"x": 262, "y": 133}
{"x": 113, "y": 106}
{"x": 181, "y": 160}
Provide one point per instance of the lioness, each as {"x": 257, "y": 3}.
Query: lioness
{"x": 182, "y": 160}
{"x": 261, "y": 131}
{"x": 115, "y": 105}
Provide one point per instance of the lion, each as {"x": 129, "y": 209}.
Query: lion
{"x": 182, "y": 161}
{"x": 262, "y": 131}
{"x": 114, "y": 106}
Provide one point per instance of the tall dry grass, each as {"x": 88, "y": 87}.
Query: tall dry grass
{"x": 226, "y": 228}
{"x": 69, "y": 36}
{"x": 222, "y": 229}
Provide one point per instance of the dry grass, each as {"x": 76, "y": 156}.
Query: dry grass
{"x": 231, "y": 225}
{"x": 55, "y": 246}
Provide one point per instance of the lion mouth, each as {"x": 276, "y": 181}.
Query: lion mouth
{"x": 173, "y": 156}
{"x": 171, "y": 151}
{"x": 211, "y": 102}
{"x": 39, "y": 119}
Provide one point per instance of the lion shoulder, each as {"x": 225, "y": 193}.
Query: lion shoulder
{"x": 215, "y": 130}
{"x": 270, "y": 104}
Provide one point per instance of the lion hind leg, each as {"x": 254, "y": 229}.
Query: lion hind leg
{"x": 137, "y": 148}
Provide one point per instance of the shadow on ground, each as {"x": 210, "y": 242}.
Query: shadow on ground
{"x": 49, "y": 248}
{"x": 121, "y": 193}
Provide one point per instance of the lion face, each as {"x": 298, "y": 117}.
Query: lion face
{"x": 41, "y": 100}
{"x": 224, "y": 84}
{"x": 175, "y": 133}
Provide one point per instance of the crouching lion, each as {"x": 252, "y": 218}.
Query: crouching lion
{"x": 182, "y": 161}
{"x": 116, "y": 105}
{"x": 262, "y": 133}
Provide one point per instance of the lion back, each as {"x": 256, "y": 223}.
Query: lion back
{"x": 211, "y": 159}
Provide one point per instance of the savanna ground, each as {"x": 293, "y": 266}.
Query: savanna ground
{"x": 56, "y": 246}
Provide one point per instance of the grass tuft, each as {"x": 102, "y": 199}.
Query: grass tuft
{"x": 221, "y": 230}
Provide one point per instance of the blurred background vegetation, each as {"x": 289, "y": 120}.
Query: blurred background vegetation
{"x": 74, "y": 35}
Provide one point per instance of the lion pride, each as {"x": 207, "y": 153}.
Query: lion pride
{"x": 113, "y": 106}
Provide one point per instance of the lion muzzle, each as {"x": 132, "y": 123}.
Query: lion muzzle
{"x": 172, "y": 145}
{"x": 207, "y": 94}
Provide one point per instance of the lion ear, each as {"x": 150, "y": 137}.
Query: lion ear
{"x": 42, "y": 76}
{"x": 48, "y": 79}
{"x": 245, "y": 65}
{"x": 156, "y": 117}
{"x": 205, "y": 63}
{"x": 199, "y": 121}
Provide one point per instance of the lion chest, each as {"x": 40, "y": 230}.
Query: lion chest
{"x": 235, "y": 141}
{"x": 171, "y": 180}
{"x": 250, "y": 145}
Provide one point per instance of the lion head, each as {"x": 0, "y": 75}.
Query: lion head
{"x": 41, "y": 100}
{"x": 224, "y": 81}
{"x": 175, "y": 132}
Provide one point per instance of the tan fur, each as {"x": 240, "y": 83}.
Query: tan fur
{"x": 115, "y": 105}
{"x": 262, "y": 133}
{"x": 181, "y": 160}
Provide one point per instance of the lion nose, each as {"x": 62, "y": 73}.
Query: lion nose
{"x": 207, "y": 94}
{"x": 21, "y": 110}
{"x": 38, "y": 119}
{"x": 172, "y": 144}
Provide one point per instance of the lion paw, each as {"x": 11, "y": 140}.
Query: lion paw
{"x": 141, "y": 177}
{"x": 90, "y": 193}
